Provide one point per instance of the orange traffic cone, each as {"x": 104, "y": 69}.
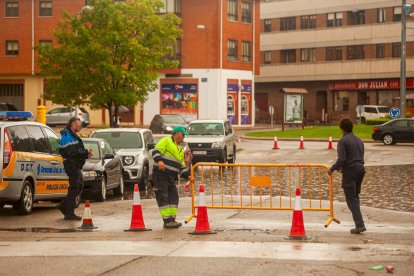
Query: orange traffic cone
{"x": 202, "y": 225}
{"x": 330, "y": 143}
{"x": 302, "y": 143}
{"x": 275, "y": 145}
{"x": 297, "y": 232}
{"x": 87, "y": 223}
{"x": 137, "y": 219}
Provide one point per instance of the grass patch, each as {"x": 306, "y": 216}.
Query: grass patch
{"x": 319, "y": 132}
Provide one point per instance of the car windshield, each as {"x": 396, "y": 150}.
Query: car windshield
{"x": 121, "y": 140}
{"x": 214, "y": 129}
{"x": 383, "y": 109}
{"x": 94, "y": 146}
{"x": 178, "y": 120}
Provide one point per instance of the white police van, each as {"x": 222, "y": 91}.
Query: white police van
{"x": 31, "y": 167}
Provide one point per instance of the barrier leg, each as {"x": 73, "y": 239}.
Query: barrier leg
{"x": 189, "y": 218}
{"x": 330, "y": 221}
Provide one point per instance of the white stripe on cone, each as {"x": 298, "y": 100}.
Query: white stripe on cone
{"x": 298, "y": 205}
{"x": 137, "y": 199}
{"x": 202, "y": 200}
{"x": 87, "y": 214}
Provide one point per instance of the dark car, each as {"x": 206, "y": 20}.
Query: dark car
{"x": 395, "y": 131}
{"x": 7, "y": 107}
{"x": 164, "y": 124}
{"x": 103, "y": 171}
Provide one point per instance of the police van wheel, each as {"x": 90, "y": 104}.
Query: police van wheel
{"x": 101, "y": 195}
{"x": 25, "y": 205}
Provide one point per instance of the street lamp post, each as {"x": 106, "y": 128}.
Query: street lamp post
{"x": 405, "y": 10}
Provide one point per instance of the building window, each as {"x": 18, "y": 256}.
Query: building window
{"x": 396, "y": 50}
{"x": 246, "y": 51}
{"x": 232, "y": 10}
{"x": 232, "y": 50}
{"x": 267, "y": 25}
{"x": 397, "y": 14}
{"x": 288, "y": 56}
{"x": 267, "y": 57}
{"x": 247, "y": 12}
{"x": 12, "y": 48}
{"x": 335, "y": 19}
{"x": 288, "y": 23}
{"x": 381, "y": 15}
{"x": 307, "y": 55}
{"x": 356, "y": 17}
{"x": 308, "y": 22}
{"x": 356, "y": 52}
{"x": 380, "y": 50}
{"x": 12, "y": 9}
{"x": 45, "y": 8}
{"x": 333, "y": 53}
{"x": 341, "y": 101}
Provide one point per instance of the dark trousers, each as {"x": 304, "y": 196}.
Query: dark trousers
{"x": 75, "y": 187}
{"x": 166, "y": 194}
{"x": 351, "y": 183}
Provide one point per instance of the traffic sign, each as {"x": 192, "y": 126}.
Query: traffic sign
{"x": 395, "y": 113}
{"x": 271, "y": 110}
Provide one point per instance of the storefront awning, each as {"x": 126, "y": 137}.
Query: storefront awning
{"x": 408, "y": 97}
{"x": 295, "y": 90}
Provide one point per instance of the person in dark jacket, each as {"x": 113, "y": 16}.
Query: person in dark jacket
{"x": 74, "y": 155}
{"x": 351, "y": 164}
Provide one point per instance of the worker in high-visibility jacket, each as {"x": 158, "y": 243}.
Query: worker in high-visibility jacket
{"x": 169, "y": 164}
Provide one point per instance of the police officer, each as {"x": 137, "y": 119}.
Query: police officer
{"x": 74, "y": 155}
{"x": 351, "y": 164}
{"x": 169, "y": 164}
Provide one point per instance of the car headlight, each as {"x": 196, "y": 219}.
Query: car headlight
{"x": 128, "y": 160}
{"x": 168, "y": 128}
{"x": 89, "y": 174}
{"x": 217, "y": 145}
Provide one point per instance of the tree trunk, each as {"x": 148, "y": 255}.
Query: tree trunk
{"x": 116, "y": 122}
{"x": 110, "y": 114}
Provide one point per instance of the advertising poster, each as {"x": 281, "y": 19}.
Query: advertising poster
{"x": 232, "y": 90}
{"x": 293, "y": 108}
{"x": 180, "y": 99}
{"x": 246, "y": 104}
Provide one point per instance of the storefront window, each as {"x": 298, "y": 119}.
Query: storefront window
{"x": 341, "y": 101}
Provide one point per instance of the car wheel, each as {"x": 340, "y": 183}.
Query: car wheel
{"x": 101, "y": 195}
{"x": 25, "y": 205}
{"x": 119, "y": 191}
{"x": 223, "y": 159}
{"x": 143, "y": 184}
{"x": 363, "y": 120}
{"x": 388, "y": 139}
{"x": 232, "y": 160}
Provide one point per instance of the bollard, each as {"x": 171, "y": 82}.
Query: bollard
{"x": 41, "y": 114}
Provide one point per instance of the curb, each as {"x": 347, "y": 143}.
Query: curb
{"x": 244, "y": 137}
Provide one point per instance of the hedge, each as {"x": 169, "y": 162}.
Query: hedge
{"x": 377, "y": 121}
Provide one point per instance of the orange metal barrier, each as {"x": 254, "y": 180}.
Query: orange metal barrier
{"x": 263, "y": 187}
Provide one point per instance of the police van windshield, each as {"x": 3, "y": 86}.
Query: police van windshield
{"x": 120, "y": 140}
{"x": 211, "y": 129}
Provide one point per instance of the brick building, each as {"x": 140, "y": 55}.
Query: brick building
{"x": 339, "y": 54}
{"x": 217, "y": 53}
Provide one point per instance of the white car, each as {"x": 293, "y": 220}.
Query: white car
{"x": 132, "y": 145}
{"x": 211, "y": 141}
{"x": 61, "y": 116}
{"x": 371, "y": 112}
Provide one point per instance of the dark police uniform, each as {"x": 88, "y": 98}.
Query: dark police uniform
{"x": 351, "y": 163}
{"x": 74, "y": 155}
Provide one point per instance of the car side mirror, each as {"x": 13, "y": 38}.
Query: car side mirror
{"x": 150, "y": 146}
{"x": 109, "y": 156}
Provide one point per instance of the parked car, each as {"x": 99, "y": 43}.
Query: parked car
{"x": 211, "y": 141}
{"x": 61, "y": 116}
{"x": 132, "y": 145}
{"x": 370, "y": 112}
{"x": 7, "y": 107}
{"x": 31, "y": 167}
{"x": 103, "y": 171}
{"x": 395, "y": 131}
{"x": 164, "y": 124}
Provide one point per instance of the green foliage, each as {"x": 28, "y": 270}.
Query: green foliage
{"x": 109, "y": 54}
{"x": 377, "y": 121}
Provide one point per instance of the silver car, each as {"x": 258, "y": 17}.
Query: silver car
{"x": 61, "y": 116}
{"x": 132, "y": 145}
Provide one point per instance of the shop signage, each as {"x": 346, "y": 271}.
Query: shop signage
{"x": 369, "y": 85}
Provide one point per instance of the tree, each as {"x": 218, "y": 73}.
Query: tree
{"x": 109, "y": 54}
